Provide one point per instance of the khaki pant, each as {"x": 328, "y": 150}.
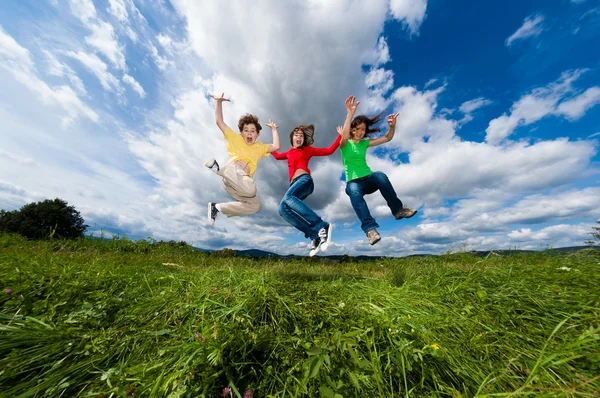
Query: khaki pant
{"x": 241, "y": 187}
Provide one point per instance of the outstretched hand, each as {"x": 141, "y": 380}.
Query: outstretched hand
{"x": 272, "y": 124}
{"x": 221, "y": 98}
{"x": 351, "y": 104}
{"x": 340, "y": 130}
{"x": 392, "y": 119}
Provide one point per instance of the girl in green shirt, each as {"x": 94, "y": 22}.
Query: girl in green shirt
{"x": 360, "y": 180}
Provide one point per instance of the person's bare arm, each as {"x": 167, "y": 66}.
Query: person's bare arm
{"x": 351, "y": 106}
{"x": 275, "y": 145}
{"x": 219, "y": 111}
{"x": 390, "y": 133}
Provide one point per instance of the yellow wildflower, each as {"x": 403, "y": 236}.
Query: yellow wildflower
{"x": 435, "y": 346}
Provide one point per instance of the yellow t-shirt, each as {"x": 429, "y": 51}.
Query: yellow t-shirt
{"x": 239, "y": 150}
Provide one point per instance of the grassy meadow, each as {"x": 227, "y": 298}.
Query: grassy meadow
{"x": 94, "y": 318}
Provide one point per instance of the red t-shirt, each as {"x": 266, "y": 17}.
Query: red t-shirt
{"x": 298, "y": 157}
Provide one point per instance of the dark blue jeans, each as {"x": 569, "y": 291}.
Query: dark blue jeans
{"x": 296, "y": 212}
{"x": 357, "y": 189}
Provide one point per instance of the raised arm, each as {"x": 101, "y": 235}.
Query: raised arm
{"x": 390, "y": 133}
{"x": 275, "y": 145}
{"x": 219, "y": 111}
{"x": 351, "y": 106}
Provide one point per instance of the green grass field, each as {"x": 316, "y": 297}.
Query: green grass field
{"x": 121, "y": 318}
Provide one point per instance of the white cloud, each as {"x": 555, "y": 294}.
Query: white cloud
{"x": 60, "y": 69}
{"x": 530, "y": 210}
{"x": 531, "y": 27}
{"x": 17, "y": 158}
{"x": 98, "y": 68}
{"x": 380, "y": 55}
{"x": 551, "y": 235}
{"x": 118, "y": 9}
{"x": 574, "y": 108}
{"x": 83, "y": 9}
{"x": 134, "y": 85}
{"x": 17, "y": 61}
{"x": 104, "y": 40}
{"x": 474, "y": 104}
{"x": 162, "y": 62}
{"x": 165, "y": 41}
{"x": 410, "y": 12}
{"x": 468, "y": 107}
{"x": 539, "y": 103}
{"x": 380, "y": 79}
{"x": 430, "y": 82}
{"x": 416, "y": 110}
{"x": 102, "y": 37}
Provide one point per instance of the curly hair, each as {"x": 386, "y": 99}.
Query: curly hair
{"x": 368, "y": 121}
{"x": 309, "y": 132}
{"x": 249, "y": 119}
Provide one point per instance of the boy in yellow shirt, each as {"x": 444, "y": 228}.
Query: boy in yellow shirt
{"x": 245, "y": 152}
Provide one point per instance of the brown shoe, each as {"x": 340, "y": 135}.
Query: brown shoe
{"x": 405, "y": 213}
{"x": 373, "y": 236}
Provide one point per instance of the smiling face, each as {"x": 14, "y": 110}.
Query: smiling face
{"x": 358, "y": 132}
{"x": 297, "y": 138}
{"x": 250, "y": 133}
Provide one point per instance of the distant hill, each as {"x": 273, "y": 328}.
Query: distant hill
{"x": 479, "y": 253}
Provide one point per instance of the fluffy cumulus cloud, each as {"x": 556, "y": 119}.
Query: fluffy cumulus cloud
{"x": 134, "y": 104}
{"x": 410, "y": 12}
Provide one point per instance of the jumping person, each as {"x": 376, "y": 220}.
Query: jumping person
{"x": 360, "y": 180}
{"x": 245, "y": 151}
{"x": 292, "y": 207}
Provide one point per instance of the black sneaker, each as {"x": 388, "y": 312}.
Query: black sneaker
{"x": 212, "y": 213}
{"x": 212, "y": 164}
{"x": 325, "y": 235}
{"x": 315, "y": 245}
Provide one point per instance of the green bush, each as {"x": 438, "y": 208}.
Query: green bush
{"x": 42, "y": 220}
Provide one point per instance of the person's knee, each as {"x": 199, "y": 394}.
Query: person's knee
{"x": 251, "y": 191}
{"x": 380, "y": 176}
{"x": 254, "y": 206}
{"x": 282, "y": 208}
{"x": 353, "y": 190}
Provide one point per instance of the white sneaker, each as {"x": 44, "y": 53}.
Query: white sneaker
{"x": 325, "y": 235}
{"x": 212, "y": 164}
{"x": 315, "y": 246}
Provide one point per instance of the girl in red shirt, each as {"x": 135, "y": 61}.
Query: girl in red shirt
{"x": 292, "y": 206}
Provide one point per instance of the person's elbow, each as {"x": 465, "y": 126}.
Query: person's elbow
{"x": 276, "y": 147}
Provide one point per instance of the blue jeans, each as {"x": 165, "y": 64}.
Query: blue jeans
{"x": 296, "y": 212}
{"x": 358, "y": 188}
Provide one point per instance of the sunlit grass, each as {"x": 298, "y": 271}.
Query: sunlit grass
{"x": 123, "y": 318}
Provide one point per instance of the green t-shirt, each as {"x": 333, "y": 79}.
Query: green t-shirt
{"x": 354, "y": 157}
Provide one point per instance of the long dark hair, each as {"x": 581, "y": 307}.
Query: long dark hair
{"x": 309, "y": 132}
{"x": 369, "y": 122}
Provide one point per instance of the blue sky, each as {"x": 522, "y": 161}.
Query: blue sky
{"x": 106, "y": 104}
